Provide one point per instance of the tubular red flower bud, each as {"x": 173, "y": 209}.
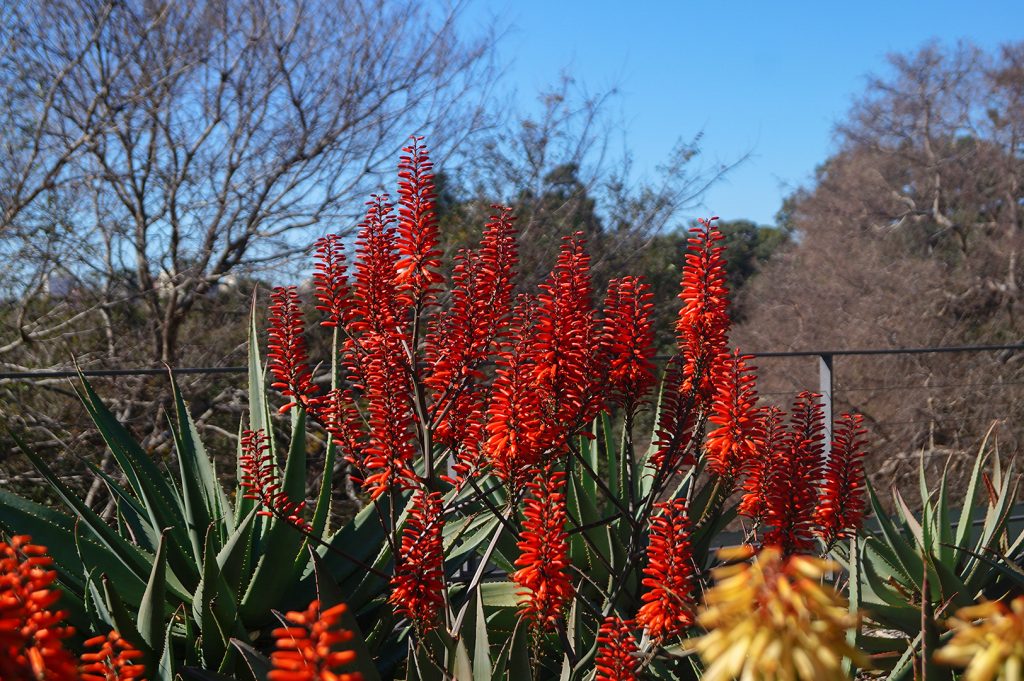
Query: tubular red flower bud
{"x": 618, "y": 656}
{"x": 312, "y": 647}
{"x": 262, "y": 482}
{"x": 841, "y": 501}
{"x": 115, "y": 660}
{"x": 419, "y": 258}
{"x": 32, "y": 633}
{"x": 418, "y": 584}
{"x": 733, "y": 445}
{"x": 543, "y": 562}
{"x": 791, "y": 498}
{"x": 703, "y": 324}
{"x": 628, "y": 341}
{"x": 668, "y": 602}
{"x": 330, "y": 283}
{"x": 376, "y": 306}
{"x": 337, "y": 412}
{"x": 288, "y": 360}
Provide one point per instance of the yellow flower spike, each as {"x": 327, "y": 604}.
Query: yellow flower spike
{"x": 988, "y": 640}
{"x": 772, "y": 620}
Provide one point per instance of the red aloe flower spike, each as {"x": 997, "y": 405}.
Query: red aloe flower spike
{"x": 628, "y": 341}
{"x": 288, "y": 360}
{"x": 513, "y": 418}
{"x": 764, "y": 465}
{"x": 793, "y": 495}
{"x": 374, "y": 291}
{"x": 419, "y": 258}
{"x": 618, "y": 656}
{"x": 668, "y": 602}
{"x": 733, "y": 445}
{"x": 677, "y": 416}
{"x": 32, "y": 633}
{"x": 418, "y": 584}
{"x": 543, "y": 562}
{"x": 841, "y": 500}
{"x": 116, "y": 659}
{"x": 262, "y": 482}
{"x": 566, "y": 350}
{"x": 703, "y": 323}
{"x": 310, "y": 647}
{"x": 475, "y": 326}
{"x": 338, "y": 414}
{"x": 330, "y": 283}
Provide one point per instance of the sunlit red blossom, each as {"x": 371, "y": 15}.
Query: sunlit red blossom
{"x": 618, "y": 656}
{"x": 419, "y": 258}
{"x": 543, "y": 574}
{"x": 338, "y": 414}
{"x": 668, "y": 601}
{"x": 473, "y": 328}
{"x": 513, "y": 418}
{"x": 330, "y": 282}
{"x": 262, "y": 481}
{"x": 841, "y": 501}
{"x": 703, "y": 324}
{"x": 390, "y": 448}
{"x": 32, "y": 632}
{"x": 288, "y": 360}
{"x": 566, "y": 346}
{"x": 376, "y": 306}
{"x": 312, "y": 647}
{"x": 764, "y": 465}
{"x": 733, "y": 445}
{"x": 792, "y": 496}
{"x": 418, "y": 584}
{"x": 628, "y": 341}
{"x": 115, "y": 660}
{"x": 677, "y": 416}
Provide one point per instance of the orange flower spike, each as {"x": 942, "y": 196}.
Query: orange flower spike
{"x": 669, "y": 575}
{"x": 287, "y": 357}
{"x": 31, "y": 633}
{"x": 307, "y": 647}
{"x": 733, "y": 445}
{"x": 764, "y": 464}
{"x": 628, "y": 341}
{"x": 330, "y": 283}
{"x": 703, "y": 324}
{"x": 543, "y": 563}
{"x": 418, "y": 584}
{"x": 618, "y": 657}
{"x": 116, "y": 660}
{"x": 419, "y": 257}
{"x": 841, "y": 501}
{"x": 262, "y": 483}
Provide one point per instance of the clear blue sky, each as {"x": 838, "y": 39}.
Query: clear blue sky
{"x": 771, "y": 78}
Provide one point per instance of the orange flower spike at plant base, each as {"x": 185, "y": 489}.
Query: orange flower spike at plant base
{"x": 703, "y": 324}
{"x": 31, "y": 632}
{"x": 733, "y": 445}
{"x": 419, "y": 257}
{"x": 543, "y": 562}
{"x": 988, "y": 640}
{"x": 791, "y": 498}
{"x": 668, "y": 602}
{"x": 628, "y": 341}
{"x": 115, "y": 660}
{"x": 618, "y": 657}
{"x": 774, "y": 620}
{"x": 841, "y": 501}
{"x": 262, "y": 483}
{"x": 307, "y": 647}
{"x": 418, "y": 585}
{"x": 288, "y": 360}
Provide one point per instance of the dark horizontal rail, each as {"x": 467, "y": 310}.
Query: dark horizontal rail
{"x": 10, "y": 375}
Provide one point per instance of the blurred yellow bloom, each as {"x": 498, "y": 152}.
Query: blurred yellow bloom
{"x": 988, "y": 639}
{"x": 773, "y": 620}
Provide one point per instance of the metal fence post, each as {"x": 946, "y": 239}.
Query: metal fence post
{"x": 825, "y": 386}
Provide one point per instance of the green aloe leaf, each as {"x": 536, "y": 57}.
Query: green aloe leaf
{"x": 151, "y": 609}
{"x": 330, "y": 595}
